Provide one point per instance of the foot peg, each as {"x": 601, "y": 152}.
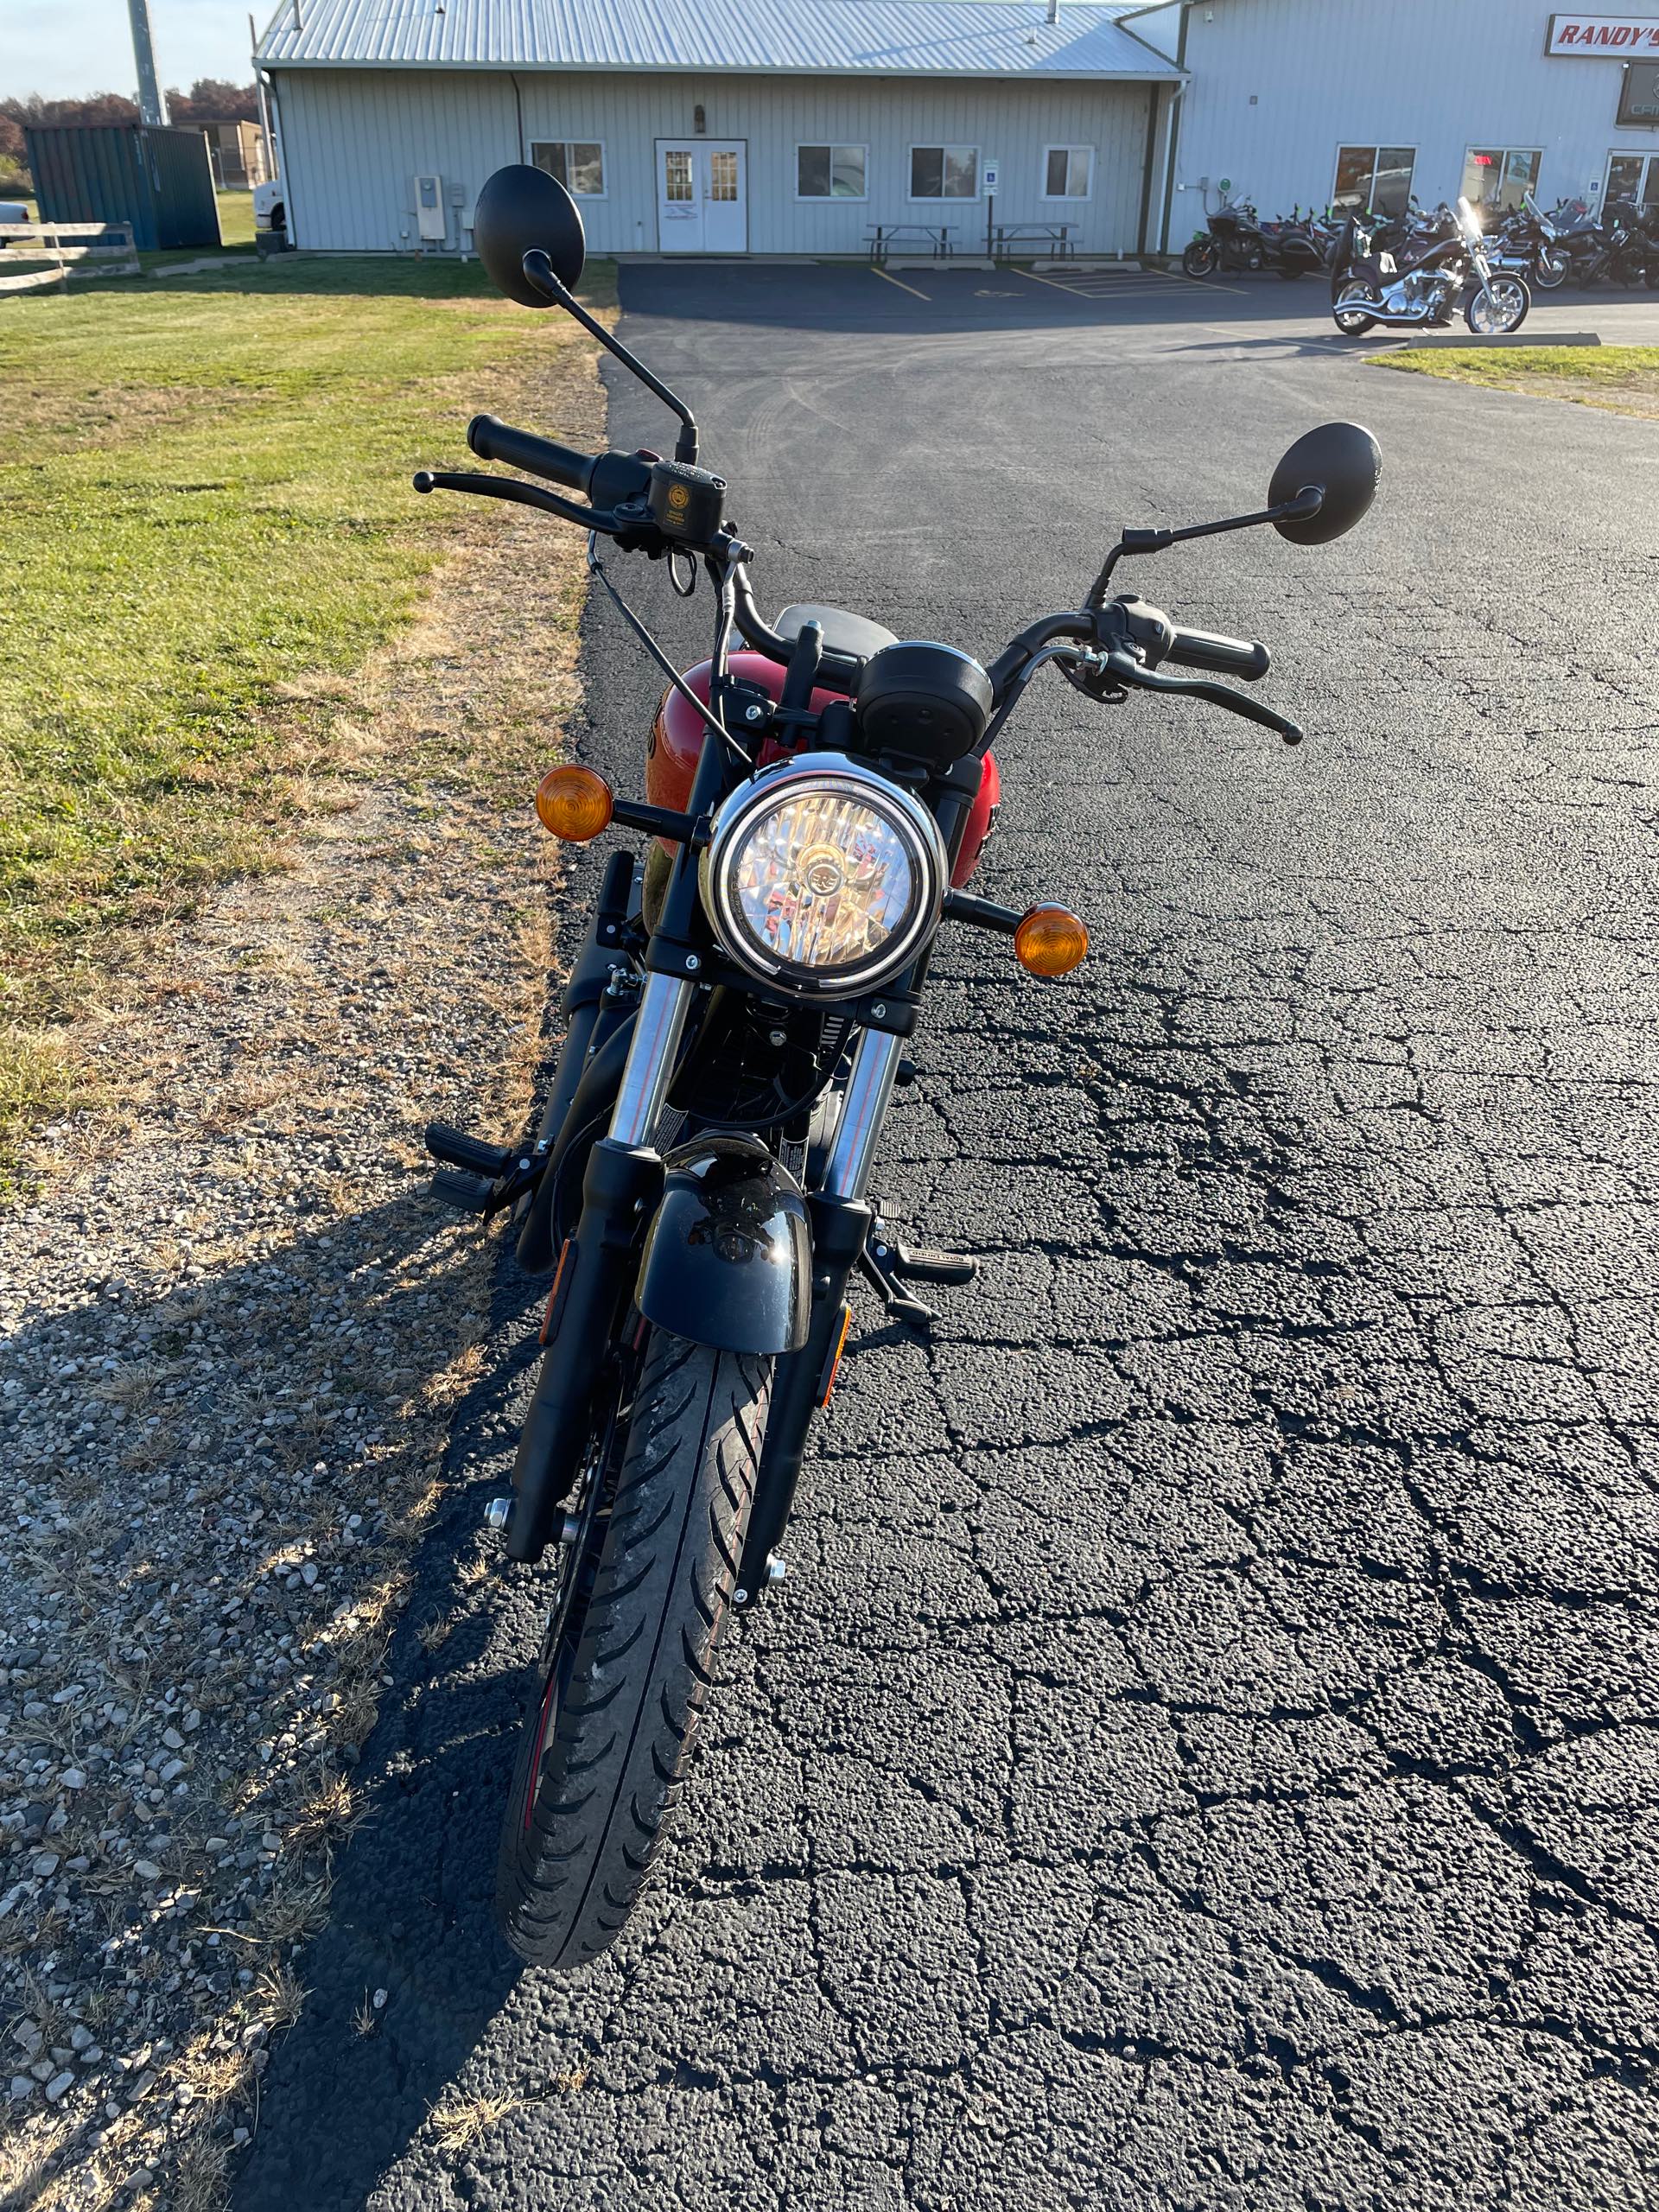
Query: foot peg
{"x": 480, "y": 1178}
{"x": 917, "y": 1263}
{"x": 886, "y": 1262}
{"x": 457, "y": 1149}
{"x": 466, "y": 1194}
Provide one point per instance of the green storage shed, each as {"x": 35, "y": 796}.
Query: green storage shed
{"x": 159, "y": 180}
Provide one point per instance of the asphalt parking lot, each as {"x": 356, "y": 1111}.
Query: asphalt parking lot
{"x": 1207, "y": 1753}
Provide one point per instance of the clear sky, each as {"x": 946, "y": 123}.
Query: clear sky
{"x": 61, "y": 48}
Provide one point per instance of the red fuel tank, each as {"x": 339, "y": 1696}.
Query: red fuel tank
{"x": 676, "y": 742}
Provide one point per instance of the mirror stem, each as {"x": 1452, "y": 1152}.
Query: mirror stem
{"x": 1307, "y": 503}
{"x": 538, "y": 270}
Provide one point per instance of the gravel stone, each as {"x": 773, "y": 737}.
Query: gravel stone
{"x": 233, "y": 1327}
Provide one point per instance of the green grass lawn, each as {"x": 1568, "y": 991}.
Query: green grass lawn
{"x": 205, "y": 511}
{"x": 235, "y": 218}
{"x": 1624, "y": 379}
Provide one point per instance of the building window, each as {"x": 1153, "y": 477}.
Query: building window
{"x": 1067, "y": 172}
{"x": 830, "y": 172}
{"x": 578, "y": 163}
{"x": 722, "y": 174}
{"x": 1500, "y": 176}
{"x": 1375, "y": 176}
{"x": 945, "y": 172}
{"x": 1633, "y": 176}
{"x": 676, "y": 174}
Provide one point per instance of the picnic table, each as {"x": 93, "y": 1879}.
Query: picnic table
{"x": 1007, "y": 236}
{"x": 935, "y": 236}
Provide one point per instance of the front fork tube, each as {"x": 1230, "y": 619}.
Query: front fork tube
{"x": 623, "y": 1181}
{"x": 841, "y": 1226}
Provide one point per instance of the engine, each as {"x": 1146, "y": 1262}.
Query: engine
{"x": 1425, "y": 294}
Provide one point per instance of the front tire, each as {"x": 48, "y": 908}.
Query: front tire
{"x": 1199, "y": 259}
{"x": 1550, "y": 270}
{"x": 1498, "y": 308}
{"x": 608, "y": 1735}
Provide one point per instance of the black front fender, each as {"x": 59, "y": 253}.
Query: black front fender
{"x": 728, "y": 1256}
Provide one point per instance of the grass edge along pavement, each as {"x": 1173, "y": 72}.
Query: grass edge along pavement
{"x": 1620, "y": 379}
{"x": 208, "y": 528}
{"x": 235, "y": 1342}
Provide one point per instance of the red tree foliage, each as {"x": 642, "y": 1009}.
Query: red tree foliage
{"x": 210, "y": 100}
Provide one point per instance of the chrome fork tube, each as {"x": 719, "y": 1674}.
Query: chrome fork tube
{"x": 863, "y": 1110}
{"x": 658, "y": 1028}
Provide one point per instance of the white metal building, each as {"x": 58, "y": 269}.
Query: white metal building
{"x": 1310, "y": 100}
{"x": 800, "y": 126}
{"x": 721, "y": 126}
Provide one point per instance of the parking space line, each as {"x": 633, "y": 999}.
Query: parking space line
{"x": 902, "y": 287}
{"x": 1205, "y": 283}
{"x": 1053, "y": 282}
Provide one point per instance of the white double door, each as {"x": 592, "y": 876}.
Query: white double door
{"x": 703, "y": 196}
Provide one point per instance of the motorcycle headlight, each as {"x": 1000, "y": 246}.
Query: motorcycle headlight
{"x": 820, "y": 876}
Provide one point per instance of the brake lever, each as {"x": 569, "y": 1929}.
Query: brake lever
{"x": 1132, "y": 674}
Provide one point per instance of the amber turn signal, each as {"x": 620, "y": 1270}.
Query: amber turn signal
{"x": 1050, "y": 941}
{"x": 574, "y": 802}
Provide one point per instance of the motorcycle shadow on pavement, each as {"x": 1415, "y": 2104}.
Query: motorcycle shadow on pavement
{"x": 410, "y": 1914}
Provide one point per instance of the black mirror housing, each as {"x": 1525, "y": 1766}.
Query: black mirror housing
{"x": 1343, "y": 463}
{"x": 522, "y": 210}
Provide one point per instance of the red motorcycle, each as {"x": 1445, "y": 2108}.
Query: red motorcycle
{"x": 816, "y": 800}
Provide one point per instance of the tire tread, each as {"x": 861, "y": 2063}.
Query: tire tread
{"x": 570, "y": 1873}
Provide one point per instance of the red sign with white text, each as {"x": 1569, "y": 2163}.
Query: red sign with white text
{"x": 1603, "y": 37}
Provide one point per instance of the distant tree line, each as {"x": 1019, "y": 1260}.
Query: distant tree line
{"x": 210, "y": 100}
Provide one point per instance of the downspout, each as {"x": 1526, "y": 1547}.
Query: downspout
{"x": 269, "y": 157}
{"x": 519, "y": 108}
{"x": 1145, "y": 173}
{"x": 1174, "y": 132}
{"x": 280, "y": 161}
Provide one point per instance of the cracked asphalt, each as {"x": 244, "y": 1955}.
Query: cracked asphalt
{"x": 1207, "y": 1752}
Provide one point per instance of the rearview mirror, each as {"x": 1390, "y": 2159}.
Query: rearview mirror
{"x": 518, "y": 210}
{"x": 1342, "y": 462}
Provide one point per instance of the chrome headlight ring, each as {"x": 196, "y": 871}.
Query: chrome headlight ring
{"x": 822, "y": 877}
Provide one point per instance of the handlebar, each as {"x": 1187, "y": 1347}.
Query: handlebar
{"x": 1222, "y": 656}
{"x": 495, "y": 441}
{"x": 1130, "y": 638}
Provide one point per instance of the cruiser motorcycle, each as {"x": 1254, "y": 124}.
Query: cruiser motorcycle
{"x": 1530, "y": 243}
{"x": 818, "y": 794}
{"x": 1418, "y": 282}
{"x": 1236, "y": 238}
{"x": 1584, "y": 249}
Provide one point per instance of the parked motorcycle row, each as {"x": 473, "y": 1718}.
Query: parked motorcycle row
{"x": 1236, "y": 238}
{"x": 1571, "y": 244}
{"x": 1415, "y": 270}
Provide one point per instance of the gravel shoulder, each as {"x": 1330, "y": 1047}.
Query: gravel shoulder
{"x": 233, "y": 1329}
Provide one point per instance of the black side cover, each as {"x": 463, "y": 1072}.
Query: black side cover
{"x": 729, "y": 1257}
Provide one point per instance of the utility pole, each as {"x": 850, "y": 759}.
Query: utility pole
{"x": 151, "y": 107}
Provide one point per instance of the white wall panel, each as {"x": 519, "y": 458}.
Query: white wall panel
{"x": 1277, "y": 86}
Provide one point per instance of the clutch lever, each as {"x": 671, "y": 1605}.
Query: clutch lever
{"x": 523, "y": 494}
{"x": 1122, "y": 669}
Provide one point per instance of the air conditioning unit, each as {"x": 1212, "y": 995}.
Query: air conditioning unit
{"x": 432, "y": 218}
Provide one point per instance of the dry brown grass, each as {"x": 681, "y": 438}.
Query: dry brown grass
{"x": 457, "y": 2125}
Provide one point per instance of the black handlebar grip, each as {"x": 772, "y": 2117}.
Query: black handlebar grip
{"x": 493, "y": 441}
{"x": 1223, "y": 656}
